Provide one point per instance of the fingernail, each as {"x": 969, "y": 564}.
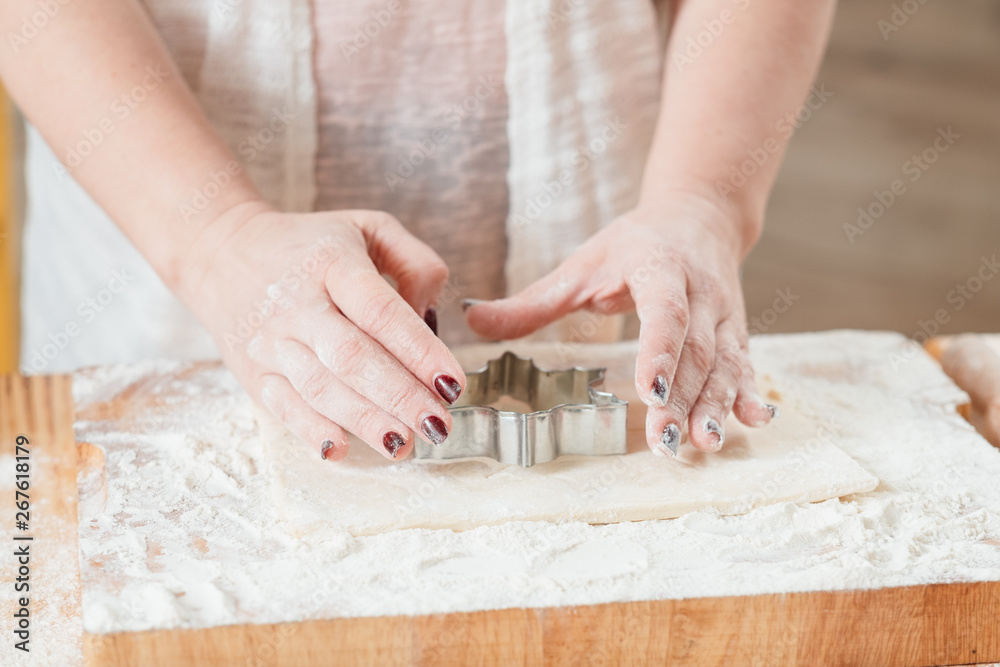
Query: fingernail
{"x": 469, "y": 303}
{"x": 659, "y": 392}
{"x": 670, "y": 440}
{"x": 448, "y": 387}
{"x": 712, "y": 426}
{"x": 325, "y": 448}
{"x": 775, "y": 411}
{"x": 393, "y": 442}
{"x": 434, "y": 429}
{"x": 431, "y": 319}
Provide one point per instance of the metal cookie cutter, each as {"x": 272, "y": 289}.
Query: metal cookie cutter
{"x": 570, "y": 415}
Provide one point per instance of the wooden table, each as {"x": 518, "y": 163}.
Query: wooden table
{"x": 948, "y": 624}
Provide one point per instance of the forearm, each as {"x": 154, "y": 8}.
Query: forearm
{"x": 734, "y": 70}
{"x": 102, "y": 89}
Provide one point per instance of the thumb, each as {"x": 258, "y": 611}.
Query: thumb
{"x": 540, "y": 303}
{"x": 419, "y": 272}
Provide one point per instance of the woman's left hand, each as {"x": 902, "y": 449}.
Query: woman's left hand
{"x": 677, "y": 264}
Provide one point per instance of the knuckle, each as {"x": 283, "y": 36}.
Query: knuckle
{"x": 437, "y": 271}
{"x": 675, "y": 308}
{"x": 710, "y": 291}
{"x": 366, "y": 419}
{"x": 702, "y": 350}
{"x": 743, "y": 337}
{"x": 314, "y": 385}
{"x": 748, "y": 378}
{"x": 399, "y": 400}
{"x": 382, "y": 315}
{"x": 383, "y": 219}
{"x": 415, "y": 350}
{"x": 348, "y": 359}
{"x": 611, "y": 302}
{"x": 710, "y": 402}
{"x": 728, "y": 360}
{"x": 678, "y": 407}
{"x": 342, "y": 247}
{"x": 718, "y": 397}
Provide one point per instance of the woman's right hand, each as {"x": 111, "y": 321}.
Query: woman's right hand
{"x": 303, "y": 317}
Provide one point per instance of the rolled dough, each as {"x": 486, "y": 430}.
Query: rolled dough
{"x": 186, "y": 533}
{"x": 793, "y": 459}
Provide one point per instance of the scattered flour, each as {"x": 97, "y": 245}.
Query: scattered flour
{"x": 54, "y": 592}
{"x": 188, "y": 536}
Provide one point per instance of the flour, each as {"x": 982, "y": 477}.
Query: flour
{"x": 188, "y": 536}
{"x": 54, "y": 588}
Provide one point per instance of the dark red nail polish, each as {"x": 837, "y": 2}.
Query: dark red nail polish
{"x": 448, "y": 387}
{"x": 660, "y": 390}
{"x": 434, "y": 429}
{"x": 393, "y": 442}
{"x": 325, "y": 448}
{"x": 431, "y": 319}
{"x": 670, "y": 440}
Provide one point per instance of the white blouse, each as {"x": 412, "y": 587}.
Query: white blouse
{"x": 502, "y": 134}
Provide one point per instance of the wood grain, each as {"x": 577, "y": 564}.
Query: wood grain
{"x": 946, "y": 624}
{"x": 41, "y": 408}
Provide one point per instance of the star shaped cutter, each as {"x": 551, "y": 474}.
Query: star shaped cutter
{"x": 569, "y": 416}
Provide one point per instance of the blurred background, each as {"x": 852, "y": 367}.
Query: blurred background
{"x": 890, "y": 91}
{"x": 898, "y": 77}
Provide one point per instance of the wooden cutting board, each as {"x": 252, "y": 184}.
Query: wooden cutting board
{"x": 948, "y": 624}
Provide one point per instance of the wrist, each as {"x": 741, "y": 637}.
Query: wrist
{"x": 734, "y": 221}
{"x": 187, "y": 273}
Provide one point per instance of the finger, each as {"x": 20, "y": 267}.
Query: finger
{"x": 330, "y": 397}
{"x": 696, "y": 362}
{"x": 367, "y": 300}
{"x": 278, "y": 396}
{"x": 662, "y": 437}
{"x": 419, "y": 272}
{"x": 706, "y": 425}
{"x": 662, "y": 308}
{"x": 364, "y": 366}
{"x": 544, "y": 301}
{"x": 750, "y": 408}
